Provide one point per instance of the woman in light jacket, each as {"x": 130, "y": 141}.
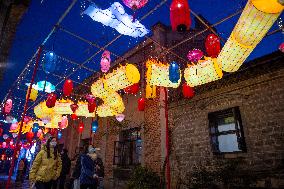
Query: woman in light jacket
{"x": 47, "y": 166}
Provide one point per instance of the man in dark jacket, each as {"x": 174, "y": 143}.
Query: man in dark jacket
{"x": 66, "y": 165}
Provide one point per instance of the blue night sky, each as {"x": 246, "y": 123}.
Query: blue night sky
{"x": 41, "y": 17}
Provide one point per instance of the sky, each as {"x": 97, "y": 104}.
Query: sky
{"x": 42, "y": 15}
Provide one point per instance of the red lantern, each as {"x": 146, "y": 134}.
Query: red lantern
{"x": 133, "y": 89}
{"x": 74, "y": 107}
{"x": 30, "y": 136}
{"x": 187, "y": 91}
{"x": 141, "y": 104}
{"x": 212, "y": 45}
{"x": 74, "y": 117}
{"x": 53, "y": 132}
{"x": 67, "y": 87}
{"x": 180, "y": 15}
{"x": 81, "y": 127}
{"x": 51, "y": 99}
{"x": 91, "y": 107}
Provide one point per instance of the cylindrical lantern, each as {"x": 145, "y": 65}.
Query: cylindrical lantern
{"x": 120, "y": 117}
{"x": 187, "y": 91}
{"x": 95, "y": 126}
{"x": 133, "y": 89}
{"x": 30, "y": 136}
{"x": 33, "y": 94}
{"x": 81, "y": 127}
{"x": 212, "y": 45}
{"x": 141, "y": 104}
{"x": 59, "y": 135}
{"x": 67, "y": 87}
{"x": 49, "y": 62}
{"x": 91, "y": 106}
{"x": 8, "y": 106}
{"x": 174, "y": 72}
{"x": 105, "y": 61}
{"x": 35, "y": 127}
{"x": 180, "y": 15}
{"x": 194, "y": 55}
{"x": 64, "y": 122}
{"x": 51, "y": 100}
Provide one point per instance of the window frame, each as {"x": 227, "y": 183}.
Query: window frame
{"x": 213, "y": 118}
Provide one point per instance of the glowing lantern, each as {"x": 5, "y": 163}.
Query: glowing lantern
{"x": 135, "y": 4}
{"x": 59, "y": 135}
{"x": 64, "y": 122}
{"x": 53, "y": 132}
{"x": 92, "y": 107}
{"x": 95, "y": 126}
{"x": 257, "y": 18}
{"x": 141, "y": 104}
{"x": 14, "y": 126}
{"x": 51, "y": 100}
{"x": 187, "y": 91}
{"x": 5, "y": 136}
{"x": 174, "y": 72}
{"x": 8, "y": 106}
{"x": 39, "y": 133}
{"x": 105, "y": 61}
{"x": 133, "y": 89}
{"x": 14, "y": 135}
{"x": 35, "y": 127}
{"x": 281, "y": 47}
{"x": 74, "y": 107}
{"x": 212, "y": 45}
{"x": 67, "y": 87}
{"x": 90, "y": 98}
{"x": 30, "y": 135}
{"x": 33, "y": 94}
{"x": 74, "y": 117}
{"x": 81, "y": 127}
{"x": 4, "y": 145}
{"x": 120, "y": 117}
{"x": 49, "y": 62}
{"x": 180, "y": 15}
{"x": 205, "y": 71}
{"x": 9, "y": 119}
{"x": 194, "y": 55}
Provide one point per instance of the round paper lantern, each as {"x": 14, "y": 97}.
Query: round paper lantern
{"x": 81, "y": 127}
{"x": 74, "y": 117}
{"x": 194, "y": 55}
{"x": 187, "y": 91}
{"x": 180, "y": 15}
{"x": 141, "y": 104}
{"x": 35, "y": 127}
{"x": 4, "y": 145}
{"x": 14, "y": 126}
{"x": 5, "y": 136}
{"x": 212, "y": 45}
{"x": 174, "y": 72}
{"x": 59, "y": 135}
{"x": 67, "y": 87}
{"x": 281, "y": 47}
{"x": 49, "y": 62}
{"x": 30, "y": 135}
{"x": 33, "y": 94}
{"x": 39, "y": 133}
{"x": 120, "y": 117}
{"x": 8, "y": 106}
{"x": 95, "y": 126}
{"x": 135, "y": 4}
{"x": 74, "y": 107}
{"x": 51, "y": 100}
{"x": 91, "y": 107}
{"x": 64, "y": 122}
{"x": 105, "y": 61}
{"x": 133, "y": 89}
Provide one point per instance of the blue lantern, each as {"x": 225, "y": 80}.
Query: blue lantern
{"x": 59, "y": 134}
{"x": 95, "y": 126}
{"x": 35, "y": 127}
{"x": 49, "y": 62}
{"x": 174, "y": 72}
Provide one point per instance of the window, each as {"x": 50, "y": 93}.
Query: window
{"x": 226, "y": 131}
{"x": 128, "y": 150}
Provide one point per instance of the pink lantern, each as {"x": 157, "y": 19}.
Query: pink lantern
{"x": 281, "y": 47}
{"x": 8, "y": 106}
{"x": 120, "y": 117}
{"x": 5, "y": 136}
{"x": 90, "y": 98}
{"x": 4, "y": 145}
{"x": 105, "y": 61}
{"x": 11, "y": 143}
{"x": 39, "y": 133}
{"x": 14, "y": 126}
{"x": 64, "y": 122}
{"x": 135, "y": 4}
{"x": 194, "y": 55}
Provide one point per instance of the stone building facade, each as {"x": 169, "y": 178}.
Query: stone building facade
{"x": 256, "y": 90}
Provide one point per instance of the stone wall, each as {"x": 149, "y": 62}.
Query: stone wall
{"x": 261, "y": 102}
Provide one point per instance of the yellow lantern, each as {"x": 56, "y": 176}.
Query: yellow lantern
{"x": 248, "y": 32}
{"x": 204, "y": 71}
{"x": 33, "y": 94}
{"x": 268, "y": 6}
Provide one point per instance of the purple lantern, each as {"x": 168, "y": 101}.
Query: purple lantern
{"x": 105, "y": 61}
{"x": 194, "y": 55}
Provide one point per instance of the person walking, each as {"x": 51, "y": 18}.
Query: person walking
{"x": 21, "y": 167}
{"x": 88, "y": 176}
{"x": 66, "y": 165}
{"x": 46, "y": 167}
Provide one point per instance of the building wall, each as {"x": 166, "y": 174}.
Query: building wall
{"x": 261, "y": 102}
